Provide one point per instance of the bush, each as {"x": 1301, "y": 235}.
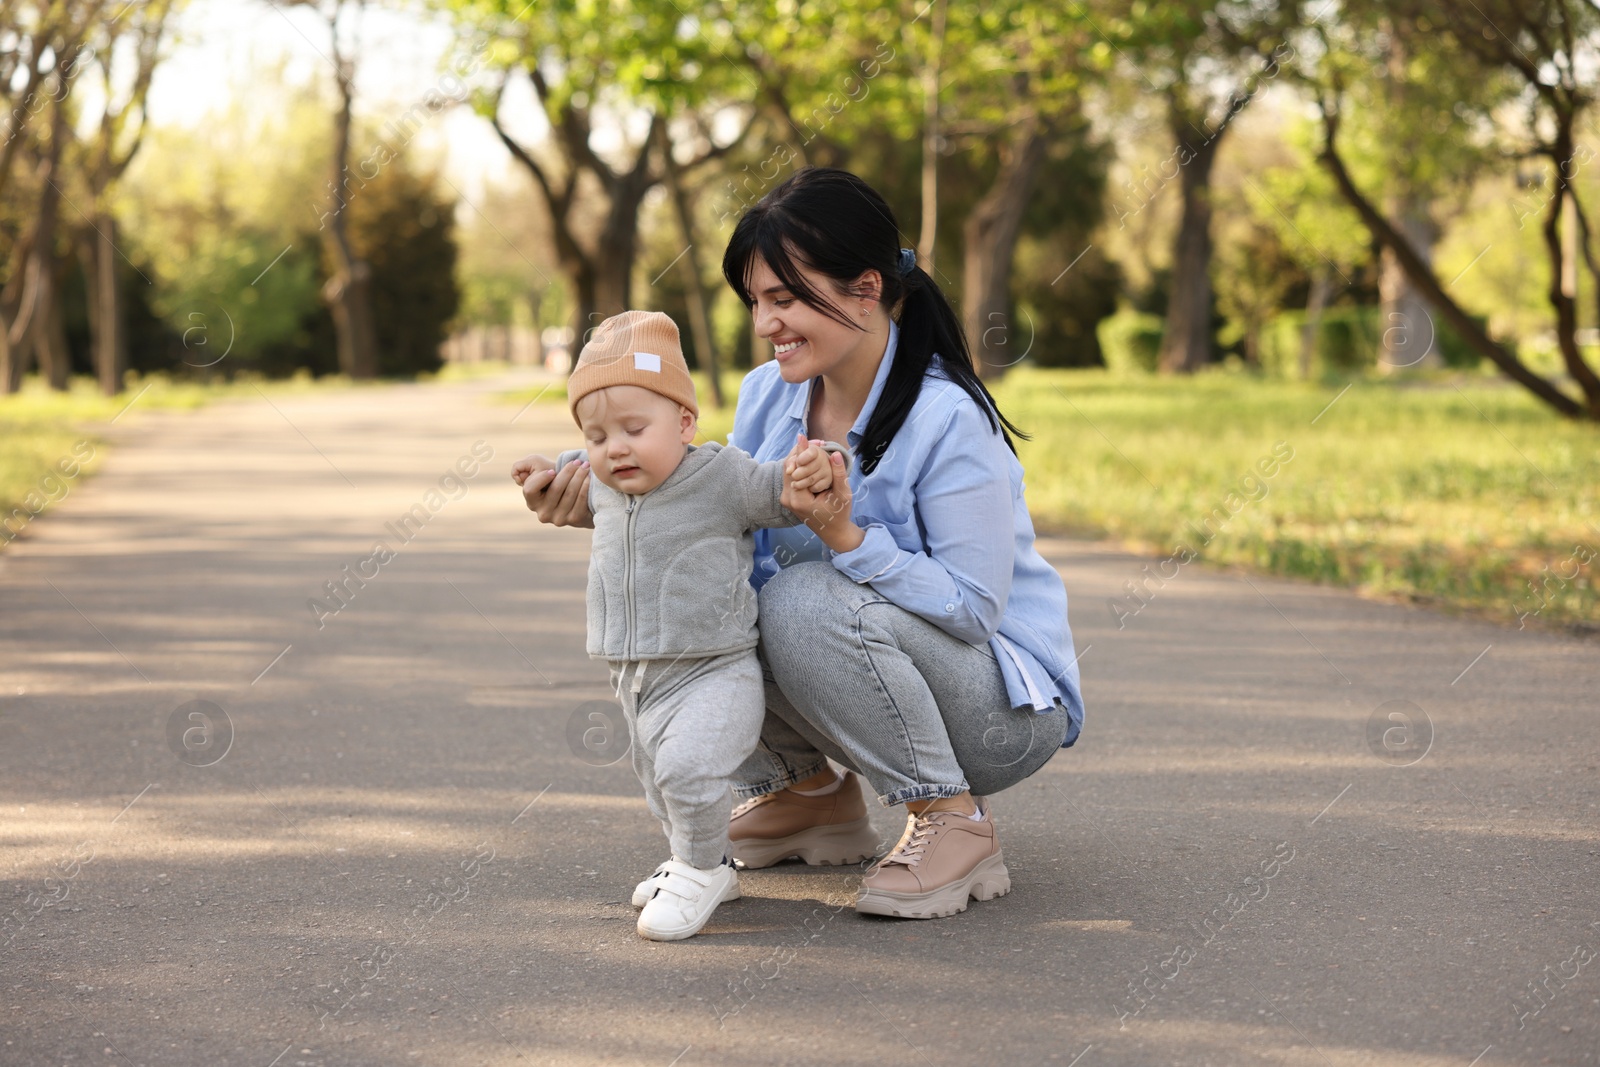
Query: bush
{"x": 1452, "y": 349}
{"x": 1346, "y": 343}
{"x": 1131, "y": 341}
{"x": 1348, "y": 339}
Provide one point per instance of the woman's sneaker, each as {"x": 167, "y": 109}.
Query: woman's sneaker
{"x": 943, "y": 860}
{"x": 684, "y": 899}
{"x": 829, "y": 829}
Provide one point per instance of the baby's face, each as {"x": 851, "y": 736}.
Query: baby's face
{"x": 635, "y": 438}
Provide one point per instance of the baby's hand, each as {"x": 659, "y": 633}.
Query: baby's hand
{"x": 807, "y": 467}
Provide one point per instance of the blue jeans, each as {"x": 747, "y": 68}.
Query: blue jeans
{"x": 915, "y": 711}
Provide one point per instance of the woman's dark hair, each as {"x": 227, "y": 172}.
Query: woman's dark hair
{"x": 832, "y": 222}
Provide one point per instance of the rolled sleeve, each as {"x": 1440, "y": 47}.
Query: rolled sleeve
{"x": 959, "y": 579}
{"x": 876, "y": 555}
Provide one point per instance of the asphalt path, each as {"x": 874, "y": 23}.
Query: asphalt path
{"x": 242, "y": 828}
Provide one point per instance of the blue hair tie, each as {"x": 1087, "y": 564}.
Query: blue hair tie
{"x": 907, "y": 262}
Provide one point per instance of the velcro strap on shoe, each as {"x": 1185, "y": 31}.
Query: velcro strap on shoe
{"x": 678, "y": 869}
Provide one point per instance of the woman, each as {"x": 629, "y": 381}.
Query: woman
{"x": 913, "y": 635}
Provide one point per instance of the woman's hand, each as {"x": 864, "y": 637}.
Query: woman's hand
{"x": 826, "y": 513}
{"x": 560, "y": 498}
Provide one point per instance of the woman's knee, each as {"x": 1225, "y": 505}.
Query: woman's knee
{"x": 796, "y": 588}
{"x": 1016, "y": 744}
{"x": 794, "y": 605}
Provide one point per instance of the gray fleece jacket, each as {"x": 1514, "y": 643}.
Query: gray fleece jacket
{"x": 669, "y": 570}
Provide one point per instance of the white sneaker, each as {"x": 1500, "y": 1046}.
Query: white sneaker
{"x": 647, "y": 888}
{"x": 684, "y": 899}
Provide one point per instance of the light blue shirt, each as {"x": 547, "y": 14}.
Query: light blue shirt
{"x": 947, "y": 537}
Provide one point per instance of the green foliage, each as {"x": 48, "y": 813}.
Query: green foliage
{"x": 210, "y": 209}
{"x": 1062, "y": 282}
{"x": 1064, "y": 310}
{"x": 1131, "y": 341}
{"x": 1348, "y": 342}
{"x": 1296, "y": 198}
{"x": 229, "y": 218}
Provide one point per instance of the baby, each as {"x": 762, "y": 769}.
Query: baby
{"x": 670, "y": 606}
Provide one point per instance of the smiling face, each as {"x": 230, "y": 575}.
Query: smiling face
{"x": 806, "y": 341}
{"x": 636, "y": 438}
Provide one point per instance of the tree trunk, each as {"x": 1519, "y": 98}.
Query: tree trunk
{"x": 1186, "y": 338}
{"x": 699, "y": 304}
{"x": 28, "y": 321}
{"x": 13, "y": 360}
{"x": 349, "y": 296}
{"x": 1316, "y": 303}
{"x": 109, "y": 335}
{"x": 1408, "y": 326}
{"x": 36, "y": 275}
{"x": 613, "y": 280}
{"x": 349, "y": 291}
{"x": 930, "y": 140}
{"x": 580, "y": 276}
{"x": 618, "y": 241}
{"x": 601, "y": 281}
{"x": 50, "y": 343}
{"x": 990, "y": 235}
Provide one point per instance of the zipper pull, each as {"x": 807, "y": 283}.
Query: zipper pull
{"x": 631, "y": 499}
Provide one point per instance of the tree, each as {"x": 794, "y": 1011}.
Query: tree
{"x": 589, "y": 64}
{"x": 1206, "y": 60}
{"x": 999, "y": 85}
{"x": 104, "y": 159}
{"x": 40, "y": 59}
{"x": 1548, "y": 46}
{"x": 348, "y": 290}
{"x": 1296, "y": 200}
{"x": 1012, "y": 110}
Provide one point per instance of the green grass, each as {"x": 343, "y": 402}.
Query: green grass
{"x": 1453, "y": 496}
{"x": 49, "y": 441}
{"x": 1455, "y": 492}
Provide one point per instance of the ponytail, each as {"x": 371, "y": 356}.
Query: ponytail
{"x": 928, "y": 324}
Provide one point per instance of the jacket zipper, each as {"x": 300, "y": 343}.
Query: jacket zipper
{"x": 627, "y": 578}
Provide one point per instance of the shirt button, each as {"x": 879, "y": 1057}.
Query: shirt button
{"x": 949, "y": 607}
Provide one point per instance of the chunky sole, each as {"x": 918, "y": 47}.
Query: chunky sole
{"x": 825, "y": 846}
{"x": 989, "y": 879}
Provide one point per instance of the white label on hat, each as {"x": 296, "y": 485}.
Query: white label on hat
{"x": 647, "y": 361}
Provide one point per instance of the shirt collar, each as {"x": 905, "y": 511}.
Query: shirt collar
{"x": 801, "y": 404}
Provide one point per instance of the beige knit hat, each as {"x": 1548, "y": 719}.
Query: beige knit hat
{"x": 634, "y": 348}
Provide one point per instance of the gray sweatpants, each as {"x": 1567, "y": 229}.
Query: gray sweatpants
{"x": 692, "y": 722}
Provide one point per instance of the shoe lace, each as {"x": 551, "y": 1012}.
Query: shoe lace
{"x": 753, "y": 803}
{"x": 913, "y": 844}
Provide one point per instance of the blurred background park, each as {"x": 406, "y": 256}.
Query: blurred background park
{"x": 1185, "y": 238}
